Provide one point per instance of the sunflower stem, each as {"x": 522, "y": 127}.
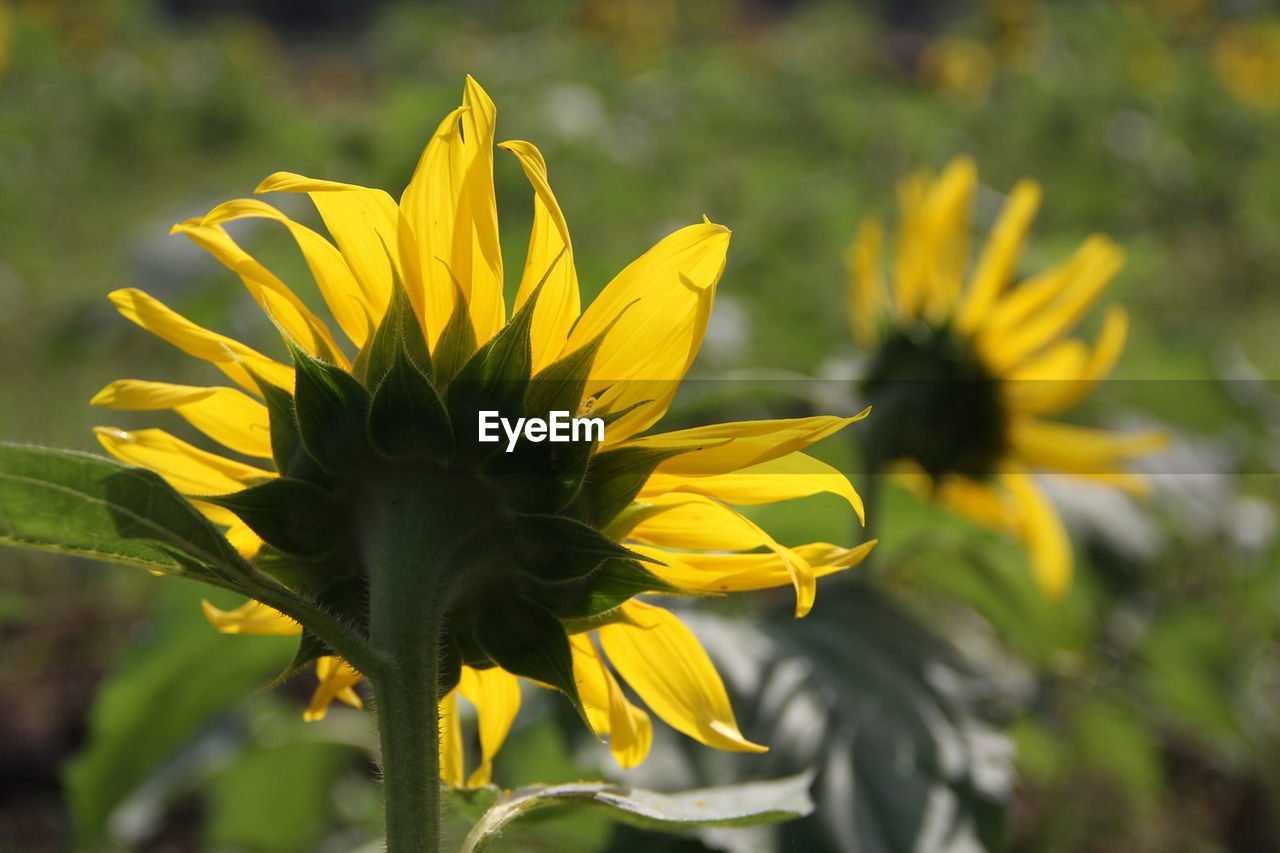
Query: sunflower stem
{"x": 406, "y": 544}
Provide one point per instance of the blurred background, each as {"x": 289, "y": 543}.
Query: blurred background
{"x": 948, "y": 705}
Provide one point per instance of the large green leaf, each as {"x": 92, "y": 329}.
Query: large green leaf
{"x": 750, "y": 804}
{"x": 90, "y": 506}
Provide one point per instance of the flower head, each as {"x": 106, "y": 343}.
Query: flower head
{"x": 967, "y": 365}
{"x": 540, "y": 547}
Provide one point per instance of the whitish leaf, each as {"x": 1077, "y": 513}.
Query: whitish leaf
{"x": 731, "y": 805}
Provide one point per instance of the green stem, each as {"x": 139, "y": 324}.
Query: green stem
{"x": 407, "y": 545}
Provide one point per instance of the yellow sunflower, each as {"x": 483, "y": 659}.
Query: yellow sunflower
{"x": 556, "y": 539}
{"x": 967, "y": 366}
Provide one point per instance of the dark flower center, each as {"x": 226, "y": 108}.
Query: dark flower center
{"x": 935, "y": 402}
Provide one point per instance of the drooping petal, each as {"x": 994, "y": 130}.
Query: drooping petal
{"x": 664, "y": 298}
{"x": 667, "y": 666}
{"x": 229, "y": 356}
{"x": 999, "y": 259}
{"x": 252, "y": 617}
{"x": 451, "y": 210}
{"x": 867, "y": 296}
{"x": 188, "y": 469}
{"x": 697, "y": 523}
{"x": 337, "y": 284}
{"x": 452, "y": 769}
{"x": 609, "y": 712}
{"x": 740, "y": 444}
{"x": 1041, "y": 529}
{"x": 337, "y": 680}
{"x": 363, "y": 222}
{"x": 549, "y": 260}
{"x": 796, "y": 475}
{"x": 718, "y": 573}
{"x": 496, "y": 695}
{"x": 226, "y": 415}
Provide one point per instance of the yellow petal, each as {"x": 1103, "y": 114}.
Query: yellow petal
{"x": 978, "y": 500}
{"x": 229, "y": 356}
{"x": 252, "y": 617}
{"x": 947, "y": 227}
{"x": 867, "y": 296}
{"x": 1046, "y": 393}
{"x": 452, "y": 770}
{"x": 550, "y": 257}
{"x": 697, "y": 523}
{"x": 998, "y": 262}
{"x": 664, "y": 298}
{"x": 715, "y": 573}
{"x": 1040, "y": 311}
{"x": 242, "y": 538}
{"x": 452, "y": 211}
{"x": 363, "y": 222}
{"x": 1077, "y": 449}
{"x": 1041, "y": 529}
{"x": 740, "y": 444}
{"x": 609, "y": 712}
{"x": 496, "y": 695}
{"x": 796, "y": 475}
{"x": 336, "y": 679}
{"x": 188, "y": 469}
{"x": 224, "y": 414}
{"x": 911, "y": 252}
{"x": 666, "y": 665}
{"x": 337, "y": 284}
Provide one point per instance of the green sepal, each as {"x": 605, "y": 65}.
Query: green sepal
{"x": 526, "y": 639}
{"x": 497, "y": 376}
{"x": 559, "y": 385}
{"x": 620, "y": 527}
{"x": 457, "y": 341}
{"x": 293, "y": 516}
{"x": 541, "y": 477}
{"x": 556, "y": 549}
{"x": 279, "y": 568}
{"x": 398, "y": 335}
{"x": 406, "y": 418}
{"x": 616, "y": 477}
{"x": 310, "y": 648}
{"x": 616, "y": 582}
{"x": 283, "y": 422}
{"x": 331, "y": 407}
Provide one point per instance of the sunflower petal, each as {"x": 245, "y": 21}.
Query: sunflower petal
{"x": 188, "y": 469}
{"x": 998, "y": 262}
{"x": 796, "y": 475}
{"x": 452, "y": 769}
{"x": 667, "y": 666}
{"x": 1041, "y": 529}
{"x": 717, "y": 573}
{"x": 867, "y": 297}
{"x": 229, "y": 356}
{"x": 550, "y": 256}
{"x": 1079, "y": 450}
{"x": 664, "y": 298}
{"x": 608, "y": 710}
{"x": 252, "y": 617}
{"x": 337, "y": 678}
{"x": 224, "y": 414}
{"x": 496, "y": 695}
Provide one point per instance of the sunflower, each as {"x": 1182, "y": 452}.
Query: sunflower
{"x": 966, "y": 366}
{"x": 553, "y": 541}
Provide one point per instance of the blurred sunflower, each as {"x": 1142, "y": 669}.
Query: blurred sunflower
{"x": 966, "y": 365}
{"x": 416, "y": 288}
{"x": 1246, "y": 58}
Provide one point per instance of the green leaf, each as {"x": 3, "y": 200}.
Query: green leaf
{"x": 749, "y": 804}
{"x": 89, "y": 506}
{"x": 168, "y": 690}
{"x": 332, "y": 406}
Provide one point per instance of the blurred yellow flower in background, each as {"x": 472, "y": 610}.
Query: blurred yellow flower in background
{"x": 668, "y": 496}
{"x": 1246, "y": 57}
{"x": 967, "y": 366}
{"x": 958, "y": 66}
